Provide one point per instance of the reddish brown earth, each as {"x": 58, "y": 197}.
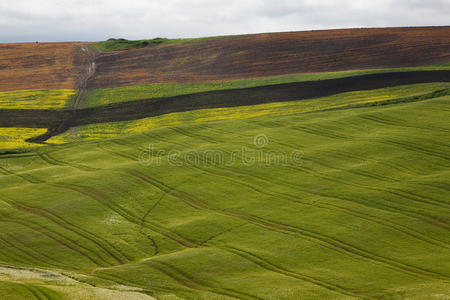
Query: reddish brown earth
{"x": 63, "y": 65}
{"x": 262, "y": 55}
{"x": 40, "y": 66}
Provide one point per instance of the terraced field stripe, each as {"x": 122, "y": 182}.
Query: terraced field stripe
{"x": 108, "y": 248}
{"x": 193, "y": 283}
{"x": 265, "y": 264}
{"x": 126, "y": 214}
{"x": 315, "y": 237}
{"x": 404, "y": 211}
{"x": 322, "y": 205}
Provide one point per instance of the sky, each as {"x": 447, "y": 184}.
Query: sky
{"x": 95, "y": 20}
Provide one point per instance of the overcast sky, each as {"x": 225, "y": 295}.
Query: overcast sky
{"x": 93, "y": 20}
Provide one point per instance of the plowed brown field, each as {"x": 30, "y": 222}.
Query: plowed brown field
{"x": 273, "y": 54}
{"x": 40, "y": 65}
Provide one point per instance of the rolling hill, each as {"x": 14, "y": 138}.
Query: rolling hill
{"x": 303, "y": 165}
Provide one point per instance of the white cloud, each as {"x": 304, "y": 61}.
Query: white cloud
{"x": 63, "y": 20}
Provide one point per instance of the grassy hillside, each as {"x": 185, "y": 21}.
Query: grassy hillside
{"x": 304, "y": 213}
{"x": 342, "y": 100}
{"x": 243, "y": 167}
{"x": 124, "y": 44}
{"x": 138, "y": 92}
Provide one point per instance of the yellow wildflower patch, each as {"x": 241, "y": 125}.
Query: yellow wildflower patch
{"x": 12, "y": 138}
{"x": 108, "y": 130}
{"x": 36, "y": 99}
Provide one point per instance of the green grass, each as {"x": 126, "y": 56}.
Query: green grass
{"x": 108, "y": 130}
{"x": 363, "y": 214}
{"x": 100, "y": 97}
{"x": 124, "y": 44}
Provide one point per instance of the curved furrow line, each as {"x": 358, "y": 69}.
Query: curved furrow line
{"x": 265, "y": 264}
{"x": 147, "y": 213}
{"x": 415, "y": 148}
{"x": 435, "y": 185}
{"x": 63, "y": 240}
{"x": 224, "y": 232}
{"x": 33, "y": 257}
{"x": 377, "y": 120}
{"x": 143, "y": 221}
{"x": 291, "y": 198}
{"x": 45, "y": 156}
{"x": 421, "y": 216}
{"x": 165, "y": 188}
{"x": 152, "y": 241}
{"x": 317, "y": 132}
{"x": 415, "y": 197}
{"x": 430, "y": 219}
{"x": 397, "y": 192}
{"x": 411, "y": 232}
{"x": 333, "y": 207}
{"x": 355, "y": 184}
{"x": 189, "y": 281}
{"x": 35, "y": 292}
{"x": 129, "y": 216}
{"x": 101, "y": 145}
{"x": 315, "y": 237}
{"x": 340, "y": 153}
{"x": 13, "y": 257}
{"x": 27, "y": 177}
{"x": 162, "y": 139}
{"x": 178, "y": 291}
{"x": 128, "y": 144}
{"x": 44, "y": 257}
{"x": 385, "y": 121}
{"x": 386, "y": 163}
{"x": 357, "y": 252}
{"x": 185, "y": 198}
{"x": 193, "y": 135}
{"x": 357, "y": 172}
{"x": 26, "y": 209}
{"x": 119, "y": 257}
{"x": 345, "y": 154}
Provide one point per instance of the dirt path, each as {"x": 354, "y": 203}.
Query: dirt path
{"x": 83, "y": 79}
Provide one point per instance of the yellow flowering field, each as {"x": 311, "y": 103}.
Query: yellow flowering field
{"x": 36, "y": 99}
{"x": 107, "y": 130}
{"x": 12, "y": 138}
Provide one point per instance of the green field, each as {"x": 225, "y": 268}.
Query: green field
{"x": 351, "y": 203}
{"x": 100, "y": 97}
{"x": 371, "y": 97}
{"x": 121, "y": 44}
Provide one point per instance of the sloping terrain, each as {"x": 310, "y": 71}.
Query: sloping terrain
{"x": 354, "y": 205}
{"x": 170, "y": 185}
{"x": 264, "y": 55}
{"x": 40, "y": 65}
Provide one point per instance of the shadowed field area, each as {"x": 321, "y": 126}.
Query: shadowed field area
{"x": 59, "y": 121}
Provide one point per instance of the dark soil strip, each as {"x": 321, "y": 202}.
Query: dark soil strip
{"x": 58, "y": 122}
